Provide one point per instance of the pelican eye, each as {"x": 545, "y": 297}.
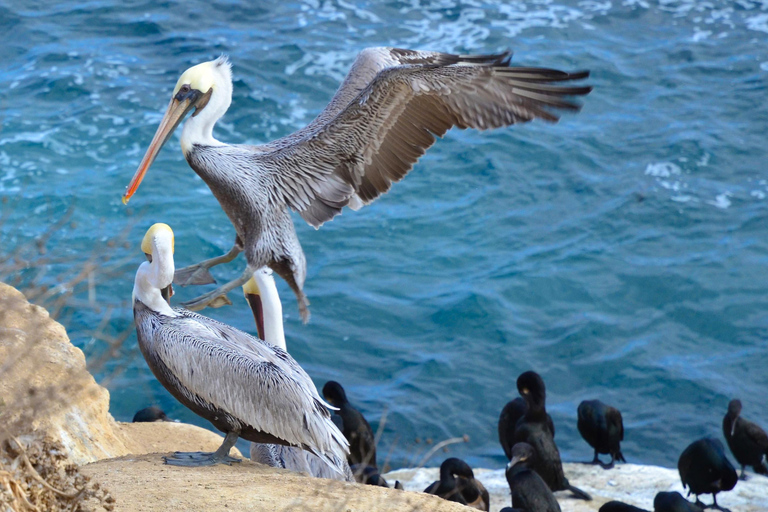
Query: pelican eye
{"x": 184, "y": 92}
{"x": 149, "y": 257}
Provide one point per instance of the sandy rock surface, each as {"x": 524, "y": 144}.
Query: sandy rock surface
{"x": 45, "y": 386}
{"x": 630, "y": 483}
{"x": 143, "y": 483}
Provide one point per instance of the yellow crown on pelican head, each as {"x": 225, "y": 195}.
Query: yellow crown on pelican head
{"x": 202, "y": 77}
{"x": 146, "y": 243}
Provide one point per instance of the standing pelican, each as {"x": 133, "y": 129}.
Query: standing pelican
{"x": 384, "y": 116}
{"x": 261, "y": 293}
{"x": 247, "y": 388}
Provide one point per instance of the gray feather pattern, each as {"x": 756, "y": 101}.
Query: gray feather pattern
{"x": 257, "y": 384}
{"x": 296, "y": 459}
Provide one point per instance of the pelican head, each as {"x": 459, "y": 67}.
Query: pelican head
{"x": 154, "y": 277}
{"x": 261, "y": 293}
{"x": 206, "y": 88}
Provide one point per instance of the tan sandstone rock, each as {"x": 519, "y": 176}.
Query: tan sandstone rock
{"x": 45, "y": 388}
{"x": 143, "y": 483}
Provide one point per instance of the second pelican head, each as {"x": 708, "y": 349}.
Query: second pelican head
{"x": 153, "y": 279}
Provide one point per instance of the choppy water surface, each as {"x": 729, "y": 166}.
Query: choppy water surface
{"x": 621, "y": 253}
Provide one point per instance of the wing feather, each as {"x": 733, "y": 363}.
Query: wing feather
{"x": 389, "y": 111}
{"x": 258, "y": 383}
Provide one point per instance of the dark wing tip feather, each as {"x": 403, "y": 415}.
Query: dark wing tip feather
{"x": 541, "y": 74}
{"x": 493, "y": 59}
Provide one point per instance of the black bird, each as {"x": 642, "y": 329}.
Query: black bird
{"x": 474, "y": 493}
{"x": 601, "y": 426}
{"x": 150, "y": 414}
{"x": 673, "y": 502}
{"x": 532, "y": 428}
{"x": 747, "y": 441}
{"x": 368, "y": 475}
{"x": 362, "y": 443}
{"x": 510, "y": 415}
{"x": 620, "y": 506}
{"x": 457, "y": 483}
{"x": 704, "y": 469}
{"x": 529, "y": 491}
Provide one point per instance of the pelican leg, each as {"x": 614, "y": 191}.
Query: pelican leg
{"x": 198, "y": 274}
{"x": 218, "y": 297}
{"x": 220, "y": 456}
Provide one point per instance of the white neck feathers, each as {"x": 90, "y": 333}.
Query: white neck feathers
{"x": 273, "y": 309}
{"x": 154, "y": 276}
{"x": 198, "y": 129}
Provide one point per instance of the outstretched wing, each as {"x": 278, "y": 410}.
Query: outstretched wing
{"x": 369, "y": 63}
{"x": 383, "y": 127}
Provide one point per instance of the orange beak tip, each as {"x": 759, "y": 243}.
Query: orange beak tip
{"x": 125, "y": 199}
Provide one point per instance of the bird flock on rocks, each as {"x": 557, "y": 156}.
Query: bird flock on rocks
{"x": 387, "y": 112}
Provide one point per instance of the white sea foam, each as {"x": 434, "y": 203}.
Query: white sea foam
{"x": 721, "y": 201}
{"x": 663, "y": 169}
{"x": 758, "y": 23}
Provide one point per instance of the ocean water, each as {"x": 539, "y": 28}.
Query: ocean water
{"x": 621, "y": 253}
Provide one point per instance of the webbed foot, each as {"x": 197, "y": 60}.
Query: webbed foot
{"x": 212, "y": 299}
{"x": 193, "y": 275}
{"x": 195, "y": 459}
{"x": 217, "y": 297}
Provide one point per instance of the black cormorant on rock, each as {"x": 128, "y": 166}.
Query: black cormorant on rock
{"x": 150, "y": 414}
{"x": 510, "y": 415}
{"x": 673, "y": 502}
{"x": 747, "y": 441}
{"x": 704, "y": 469}
{"x": 362, "y": 443}
{"x": 533, "y": 429}
{"x": 601, "y": 426}
{"x": 529, "y": 491}
{"x": 620, "y": 506}
{"x": 368, "y": 475}
{"x": 457, "y": 483}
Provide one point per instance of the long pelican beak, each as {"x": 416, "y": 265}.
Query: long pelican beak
{"x": 177, "y": 110}
{"x": 252, "y": 294}
{"x": 167, "y": 293}
{"x": 733, "y": 425}
{"x": 254, "y": 300}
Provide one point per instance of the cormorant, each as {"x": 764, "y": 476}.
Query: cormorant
{"x": 362, "y": 443}
{"x": 673, "y": 502}
{"x": 532, "y": 428}
{"x": 150, "y": 414}
{"x": 457, "y": 483}
{"x": 620, "y": 506}
{"x": 704, "y": 469}
{"x": 601, "y": 426}
{"x": 529, "y": 491}
{"x": 510, "y": 415}
{"x": 747, "y": 441}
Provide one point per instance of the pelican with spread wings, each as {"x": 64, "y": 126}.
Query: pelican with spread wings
{"x": 384, "y": 116}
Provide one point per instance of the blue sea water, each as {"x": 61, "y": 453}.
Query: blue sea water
{"x": 622, "y": 253}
